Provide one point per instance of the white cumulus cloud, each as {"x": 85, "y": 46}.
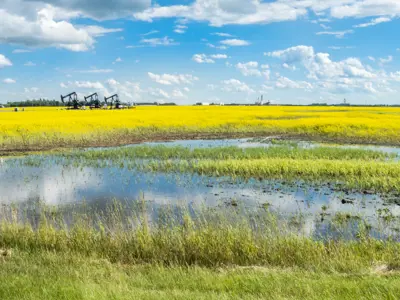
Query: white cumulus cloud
{"x": 234, "y": 85}
{"x": 235, "y": 42}
{"x": 4, "y": 61}
{"x": 165, "y": 41}
{"x": 320, "y": 65}
{"x": 18, "y": 51}
{"x": 337, "y": 34}
{"x": 29, "y": 64}
{"x": 9, "y": 81}
{"x": 128, "y": 89}
{"x": 202, "y": 59}
{"x": 249, "y": 69}
{"x": 171, "y": 79}
{"x": 286, "y": 83}
{"x": 219, "y": 56}
{"x": 89, "y": 85}
{"x": 95, "y": 9}
{"x": 46, "y": 31}
{"x": 349, "y": 75}
{"x": 209, "y": 59}
{"x": 159, "y": 93}
{"x": 386, "y": 60}
{"x": 223, "y": 12}
{"x": 373, "y": 22}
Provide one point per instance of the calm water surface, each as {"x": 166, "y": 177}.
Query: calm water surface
{"x": 56, "y": 184}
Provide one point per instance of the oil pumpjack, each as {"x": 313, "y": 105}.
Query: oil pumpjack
{"x": 114, "y": 99}
{"x": 72, "y": 101}
{"x": 94, "y": 102}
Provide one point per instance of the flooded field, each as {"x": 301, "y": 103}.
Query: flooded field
{"x": 59, "y": 180}
{"x": 262, "y": 142}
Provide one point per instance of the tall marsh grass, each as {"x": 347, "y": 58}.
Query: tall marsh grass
{"x": 176, "y": 236}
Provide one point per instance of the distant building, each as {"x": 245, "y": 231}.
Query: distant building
{"x": 344, "y": 103}
{"x": 202, "y": 104}
{"x": 260, "y": 101}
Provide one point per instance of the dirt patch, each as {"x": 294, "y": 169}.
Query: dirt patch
{"x": 386, "y": 269}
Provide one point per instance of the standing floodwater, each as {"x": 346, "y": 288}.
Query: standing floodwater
{"x": 67, "y": 181}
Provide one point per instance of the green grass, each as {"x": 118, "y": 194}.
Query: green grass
{"x": 288, "y": 151}
{"x": 48, "y": 275}
{"x": 210, "y": 238}
{"x": 357, "y": 174}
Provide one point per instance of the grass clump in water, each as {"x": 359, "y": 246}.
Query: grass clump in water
{"x": 221, "y": 153}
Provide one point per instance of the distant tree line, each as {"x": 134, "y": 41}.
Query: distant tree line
{"x": 155, "y": 103}
{"x": 35, "y": 102}
{"x": 47, "y": 102}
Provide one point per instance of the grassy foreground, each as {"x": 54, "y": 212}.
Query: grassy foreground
{"x": 183, "y": 236}
{"x": 119, "y": 255}
{"x": 50, "y": 128}
{"x": 48, "y": 275}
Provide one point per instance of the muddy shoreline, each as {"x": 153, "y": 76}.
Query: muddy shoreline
{"x": 134, "y": 139}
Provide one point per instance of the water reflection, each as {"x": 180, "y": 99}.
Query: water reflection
{"x": 58, "y": 185}
{"x": 264, "y": 142}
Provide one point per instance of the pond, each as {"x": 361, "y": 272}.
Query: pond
{"x": 259, "y": 142}
{"x": 62, "y": 184}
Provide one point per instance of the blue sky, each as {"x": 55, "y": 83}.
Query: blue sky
{"x": 291, "y": 51}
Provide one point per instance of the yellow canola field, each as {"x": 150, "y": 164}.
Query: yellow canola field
{"x": 59, "y": 127}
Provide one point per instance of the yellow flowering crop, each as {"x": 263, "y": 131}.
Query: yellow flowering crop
{"x": 56, "y": 127}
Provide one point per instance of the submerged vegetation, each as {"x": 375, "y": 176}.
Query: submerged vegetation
{"x": 281, "y": 150}
{"x": 378, "y": 176}
{"x": 363, "y": 170}
{"x": 49, "y": 128}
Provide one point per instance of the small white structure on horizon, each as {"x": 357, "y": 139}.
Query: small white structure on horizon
{"x": 260, "y": 101}
{"x": 202, "y": 103}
